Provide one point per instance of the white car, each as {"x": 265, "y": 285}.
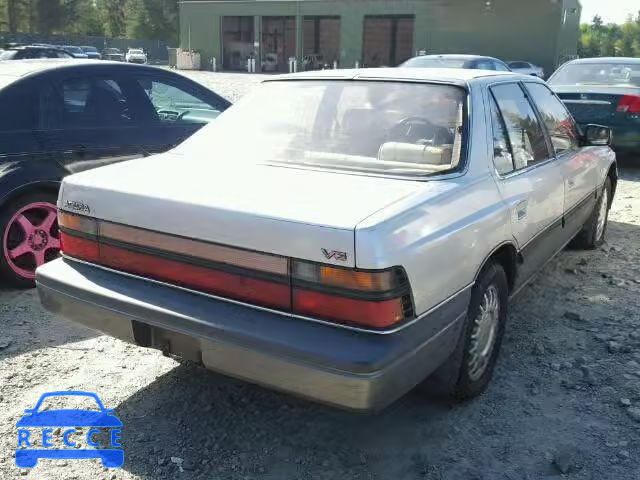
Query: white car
{"x": 338, "y": 234}
{"x": 526, "y": 68}
{"x": 136, "y": 55}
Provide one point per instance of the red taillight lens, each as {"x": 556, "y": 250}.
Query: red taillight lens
{"x": 266, "y": 293}
{"x": 629, "y": 104}
{"x": 78, "y": 236}
{"x": 361, "y": 312}
{"x": 375, "y": 299}
{"x": 79, "y": 247}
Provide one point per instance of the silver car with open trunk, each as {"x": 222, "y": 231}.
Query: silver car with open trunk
{"x": 340, "y": 235}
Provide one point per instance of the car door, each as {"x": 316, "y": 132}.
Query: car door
{"x": 529, "y": 178}
{"x": 89, "y": 121}
{"x": 179, "y": 108}
{"x": 579, "y": 165}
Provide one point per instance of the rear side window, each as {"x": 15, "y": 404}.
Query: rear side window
{"x": 525, "y": 133}
{"x": 87, "y": 102}
{"x": 560, "y": 125}
{"x": 19, "y": 107}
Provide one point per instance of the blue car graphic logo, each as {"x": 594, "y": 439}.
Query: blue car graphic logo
{"x": 66, "y": 419}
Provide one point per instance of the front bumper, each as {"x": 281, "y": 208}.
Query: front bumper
{"x": 140, "y": 61}
{"x": 345, "y": 368}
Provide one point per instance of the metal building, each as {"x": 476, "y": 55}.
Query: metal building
{"x": 376, "y": 32}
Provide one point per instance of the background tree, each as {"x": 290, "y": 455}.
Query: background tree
{"x": 610, "y": 40}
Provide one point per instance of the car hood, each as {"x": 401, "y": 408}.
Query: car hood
{"x": 69, "y": 418}
{"x": 292, "y": 212}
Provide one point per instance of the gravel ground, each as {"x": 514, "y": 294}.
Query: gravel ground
{"x": 565, "y": 398}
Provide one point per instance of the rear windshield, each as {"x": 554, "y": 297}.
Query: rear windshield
{"x": 73, "y": 49}
{"x": 90, "y": 49}
{"x": 136, "y": 52}
{"x": 431, "y": 62}
{"x": 378, "y": 127}
{"x": 519, "y": 65}
{"x": 615, "y": 74}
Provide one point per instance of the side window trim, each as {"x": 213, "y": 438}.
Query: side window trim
{"x": 533, "y": 166}
{"x": 494, "y": 104}
{"x": 551, "y": 151}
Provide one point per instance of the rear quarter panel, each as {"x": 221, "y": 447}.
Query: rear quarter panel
{"x": 443, "y": 234}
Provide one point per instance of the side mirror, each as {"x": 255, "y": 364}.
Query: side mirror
{"x": 597, "y": 135}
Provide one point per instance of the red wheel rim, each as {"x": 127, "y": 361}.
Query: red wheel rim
{"x": 31, "y": 238}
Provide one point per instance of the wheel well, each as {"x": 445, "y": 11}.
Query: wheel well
{"x": 48, "y": 187}
{"x": 507, "y": 257}
{"x": 613, "y": 176}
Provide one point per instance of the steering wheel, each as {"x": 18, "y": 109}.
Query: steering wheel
{"x": 412, "y": 129}
{"x": 171, "y": 114}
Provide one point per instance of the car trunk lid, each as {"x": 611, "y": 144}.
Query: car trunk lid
{"x": 592, "y": 104}
{"x": 279, "y": 210}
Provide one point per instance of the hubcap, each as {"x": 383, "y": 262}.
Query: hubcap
{"x": 484, "y": 333}
{"x": 602, "y": 214}
{"x": 31, "y": 238}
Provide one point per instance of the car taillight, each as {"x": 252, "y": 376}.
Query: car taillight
{"x": 79, "y": 236}
{"x": 377, "y": 299}
{"x": 629, "y": 104}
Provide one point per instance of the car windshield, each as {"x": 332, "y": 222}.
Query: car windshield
{"x": 90, "y": 49}
{"x": 136, "y": 52}
{"x": 434, "y": 62}
{"x": 614, "y": 74}
{"x": 519, "y": 65}
{"x": 112, "y": 50}
{"x": 376, "y": 127}
{"x": 74, "y": 49}
{"x": 8, "y": 54}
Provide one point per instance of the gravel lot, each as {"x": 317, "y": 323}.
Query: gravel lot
{"x": 566, "y": 396}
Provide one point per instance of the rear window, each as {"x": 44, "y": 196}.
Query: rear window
{"x": 614, "y": 74}
{"x": 379, "y": 127}
{"x": 519, "y": 65}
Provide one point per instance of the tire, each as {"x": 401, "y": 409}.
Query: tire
{"x": 594, "y": 231}
{"x": 463, "y": 376}
{"x": 28, "y": 237}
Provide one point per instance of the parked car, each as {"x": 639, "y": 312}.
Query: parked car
{"x": 92, "y": 52}
{"x": 474, "y": 62}
{"x": 604, "y": 91}
{"x": 136, "y": 55}
{"x": 113, "y": 54}
{"x": 526, "y": 68}
{"x": 380, "y": 230}
{"x": 77, "y": 52}
{"x": 32, "y": 52}
{"x": 69, "y": 116}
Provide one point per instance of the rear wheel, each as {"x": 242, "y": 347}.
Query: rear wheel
{"x": 30, "y": 238}
{"x": 469, "y": 370}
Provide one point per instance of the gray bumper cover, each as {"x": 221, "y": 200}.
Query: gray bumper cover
{"x": 341, "y": 367}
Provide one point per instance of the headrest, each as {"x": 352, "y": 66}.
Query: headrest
{"x": 413, "y": 153}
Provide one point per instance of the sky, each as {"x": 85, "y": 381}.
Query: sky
{"x": 610, "y": 10}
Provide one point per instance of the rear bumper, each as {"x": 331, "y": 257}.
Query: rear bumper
{"x": 337, "y": 366}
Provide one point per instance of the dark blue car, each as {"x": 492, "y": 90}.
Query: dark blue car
{"x": 28, "y": 457}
